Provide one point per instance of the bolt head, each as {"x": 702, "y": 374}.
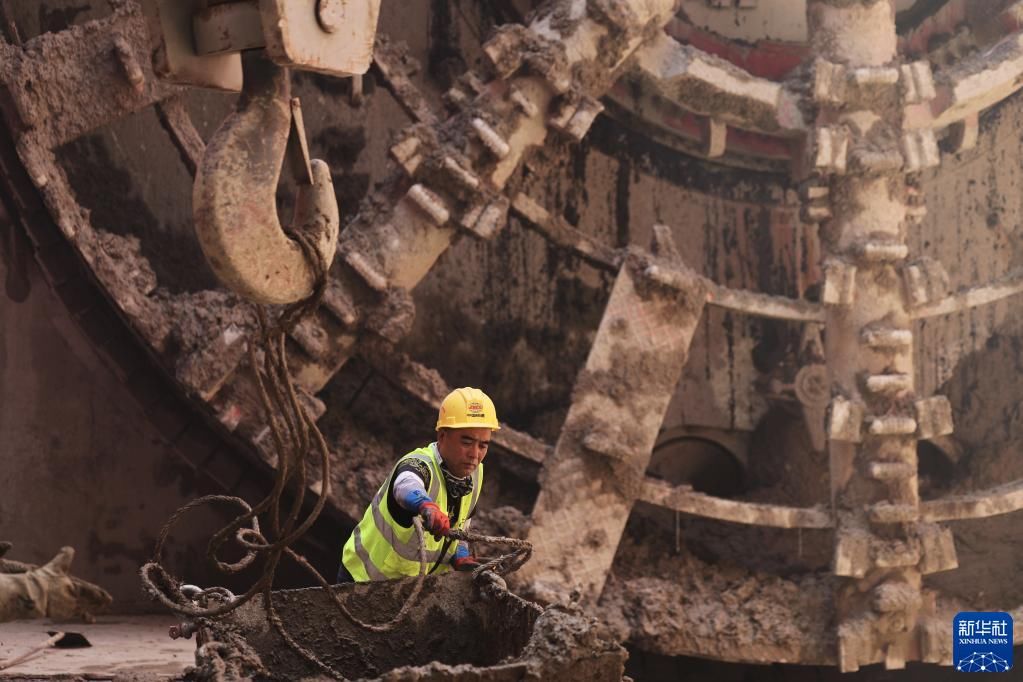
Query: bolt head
{"x": 330, "y": 14}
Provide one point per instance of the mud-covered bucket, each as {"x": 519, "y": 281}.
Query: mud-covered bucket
{"x": 456, "y": 630}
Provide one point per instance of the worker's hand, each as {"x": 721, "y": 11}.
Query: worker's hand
{"x": 435, "y": 521}
{"x": 465, "y": 563}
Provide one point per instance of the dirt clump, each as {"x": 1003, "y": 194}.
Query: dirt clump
{"x": 367, "y": 464}
{"x": 200, "y": 335}
{"x": 678, "y": 605}
{"x": 575, "y": 646}
{"x": 505, "y": 521}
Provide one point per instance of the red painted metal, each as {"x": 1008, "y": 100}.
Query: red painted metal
{"x": 766, "y": 58}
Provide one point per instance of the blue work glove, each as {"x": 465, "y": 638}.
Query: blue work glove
{"x": 463, "y": 561}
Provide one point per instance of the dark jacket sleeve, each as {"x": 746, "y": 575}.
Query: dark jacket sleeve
{"x": 401, "y": 515}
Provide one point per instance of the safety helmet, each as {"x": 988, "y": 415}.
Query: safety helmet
{"x": 466, "y": 408}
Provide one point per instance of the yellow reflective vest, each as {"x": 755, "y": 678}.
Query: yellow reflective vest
{"x": 381, "y": 549}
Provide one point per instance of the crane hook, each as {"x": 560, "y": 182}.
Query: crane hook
{"x": 234, "y": 195}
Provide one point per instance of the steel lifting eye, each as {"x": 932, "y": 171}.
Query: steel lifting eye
{"x": 234, "y": 196}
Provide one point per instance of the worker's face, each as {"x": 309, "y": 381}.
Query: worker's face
{"x": 463, "y": 449}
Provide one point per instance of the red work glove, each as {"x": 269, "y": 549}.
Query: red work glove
{"x": 436, "y": 521}
{"x": 465, "y": 563}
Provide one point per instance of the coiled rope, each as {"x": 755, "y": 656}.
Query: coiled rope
{"x": 296, "y": 438}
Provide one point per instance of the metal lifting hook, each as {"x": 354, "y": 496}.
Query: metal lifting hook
{"x": 234, "y": 196}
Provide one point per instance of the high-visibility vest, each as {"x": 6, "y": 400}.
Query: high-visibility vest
{"x": 381, "y": 549}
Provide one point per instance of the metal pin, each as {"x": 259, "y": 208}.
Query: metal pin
{"x": 373, "y": 277}
{"x": 494, "y": 142}
{"x": 678, "y": 532}
{"x": 462, "y": 176}
{"x": 523, "y": 102}
{"x": 357, "y": 98}
{"x": 430, "y": 204}
{"x": 880, "y": 251}
{"x": 132, "y": 69}
{"x": 887, "y": 337}
{"x": 298, "y": 147}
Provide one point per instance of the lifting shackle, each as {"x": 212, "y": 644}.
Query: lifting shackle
{"x": 234, "y": 195}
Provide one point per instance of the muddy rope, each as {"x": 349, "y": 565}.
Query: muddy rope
{"x": 503, "y": 564}
{"x": 295, "y": 437}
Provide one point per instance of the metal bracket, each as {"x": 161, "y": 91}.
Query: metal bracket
{"x": 230, "y": 27}
{"x": 839, "y": 282}
{"x": 329, "y": 36}
{"x": 176, "y": 60}
{"x": 200, "y": 45}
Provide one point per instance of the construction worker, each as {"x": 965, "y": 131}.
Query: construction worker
{"x": 441, "y": 483}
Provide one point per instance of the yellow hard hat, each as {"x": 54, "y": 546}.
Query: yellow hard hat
{"x": 466, "y": 408}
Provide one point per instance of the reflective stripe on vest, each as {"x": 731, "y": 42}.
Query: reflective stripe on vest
{"x": 384, "y": 548}
{"x": 371, "y": 570}
{"x": 406, "y": 550}
{"x": 475, "y": 489}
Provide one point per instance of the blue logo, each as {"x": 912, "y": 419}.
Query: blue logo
{"x": 982, "y": 642}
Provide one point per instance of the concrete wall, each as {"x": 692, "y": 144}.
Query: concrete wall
{"x": 79, "y": 463}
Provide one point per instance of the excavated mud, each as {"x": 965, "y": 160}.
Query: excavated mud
{"x": 456, "y": 631}
{"x": 182, "y": 328}
{"x": 730, "y": 611}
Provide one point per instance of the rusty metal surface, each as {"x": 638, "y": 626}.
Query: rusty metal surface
{"x": 596, "y": 471}
{"x": 62, "y": 85}
{"x": 396, "y": 68}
